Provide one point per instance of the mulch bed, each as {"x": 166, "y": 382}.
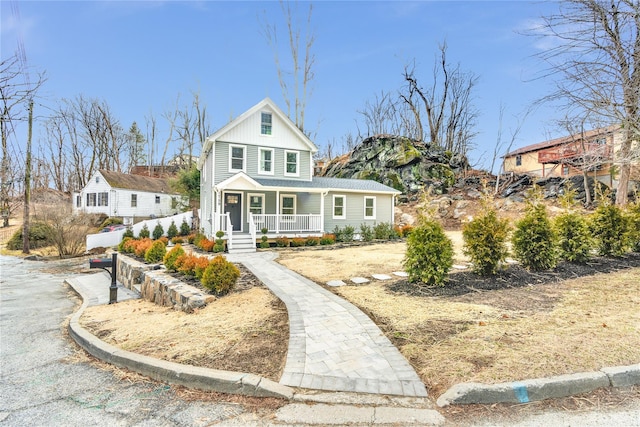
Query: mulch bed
{"x": 514, "y": 276}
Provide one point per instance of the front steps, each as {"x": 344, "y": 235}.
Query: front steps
{"x": 242, "y": 243}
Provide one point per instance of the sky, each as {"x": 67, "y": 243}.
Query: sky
{"x": 139, "y": 56}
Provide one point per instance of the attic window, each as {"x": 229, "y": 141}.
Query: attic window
{"x": 97, "y": 179}
{"x": 265, "y": 123}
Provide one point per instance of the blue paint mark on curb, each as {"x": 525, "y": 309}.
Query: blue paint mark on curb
{"x": 521, "y": 392}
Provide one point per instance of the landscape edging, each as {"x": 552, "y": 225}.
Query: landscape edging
{"x": 171, "y": 372}
{"x": 540, "y": 388}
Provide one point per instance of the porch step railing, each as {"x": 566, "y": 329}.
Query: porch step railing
{"x": 306, "y": 223}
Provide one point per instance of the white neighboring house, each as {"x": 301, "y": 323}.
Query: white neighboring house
{"x": 127, "y": 196}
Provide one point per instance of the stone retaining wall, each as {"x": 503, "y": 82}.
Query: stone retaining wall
{"x": 155, "y": 285}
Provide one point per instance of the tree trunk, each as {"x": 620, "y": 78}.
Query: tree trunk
{"x": 27, "y": 184}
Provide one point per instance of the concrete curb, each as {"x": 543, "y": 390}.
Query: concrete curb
{"x": 174, "y": 373}
{"x": 541, "y": 388}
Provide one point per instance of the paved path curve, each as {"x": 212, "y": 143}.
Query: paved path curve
{"x": 332, "y": 344}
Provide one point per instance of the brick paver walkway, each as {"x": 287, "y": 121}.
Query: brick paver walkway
{"x": 332, "y": 344}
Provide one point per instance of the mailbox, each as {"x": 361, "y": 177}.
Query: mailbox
{"x": 100, "y": 263}
{"x": 105, "y": 263}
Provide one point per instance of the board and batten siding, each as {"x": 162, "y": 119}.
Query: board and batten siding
{"x": 252, "y": 159}
{"x": 248, "y": 132}
{"x": 355, "y": 210}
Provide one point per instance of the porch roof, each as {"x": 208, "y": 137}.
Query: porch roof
{"x": 329, "y": 184}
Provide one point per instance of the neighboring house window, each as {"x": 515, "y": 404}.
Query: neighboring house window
{"x": 256, "y": 204}
{"x": 103, "y": 199}
{"x": 291, "y": 163}
{"x": 287, "y": 204}
{"x": 565, "y": 170}
{"x": 339, "y": 207}
{"x": 518, "y": 160}
{"x": 157, "y": 200}
{"x": 369, "y": 207}
{"x": 79, "y": 201}
{"x": 134, "y": 200}
{"x": 266, "y": 161}
{"x": 236, "y": 158}
{"x": 265, "y": 123}
{"x": 91, "y": 199}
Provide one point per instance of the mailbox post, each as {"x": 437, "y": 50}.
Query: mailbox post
{"x": 113, "y": 289}
{"x": 105, "y": 263}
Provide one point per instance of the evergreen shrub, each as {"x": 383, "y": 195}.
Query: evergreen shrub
{"x": 609, "y": 229}
{"x": 144, "y": 232}
{"x": 220, "y": 276}
{"x": 485, "y": 242}
{"x": 172, "y": 231}
{"x": 429, "y": 255}
{"x": 534, "y": 239}
{"x": 185, "y": 229}
{"x": 170, "y": 258}
{"x": 158, "y": 231}
{"x": 633, "y": 225}
{"x": 366, "y": 232}
{"x": 156, "y": 252}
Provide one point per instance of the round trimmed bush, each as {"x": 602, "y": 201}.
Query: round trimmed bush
{"x": 170, "y": 258}
{"x": 156, "y": 252}
{"x": 220, "y": 276}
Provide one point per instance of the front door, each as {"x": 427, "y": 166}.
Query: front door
{"x": 233, "y": 206}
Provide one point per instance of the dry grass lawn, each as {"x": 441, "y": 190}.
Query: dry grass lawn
{"x": 245, "y": 331}
{"x": 594, "y": 322}
{"x": 345, "y": 263}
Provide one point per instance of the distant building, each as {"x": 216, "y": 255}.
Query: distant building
{"x": 590, "y": 151}
{"x": 128, "y": 196}
{"x": 169, "y": 170}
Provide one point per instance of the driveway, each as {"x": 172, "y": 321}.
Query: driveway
{"x": 42, "y": 385}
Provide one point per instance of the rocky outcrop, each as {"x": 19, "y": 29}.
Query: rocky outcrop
{"x": 402, "y": 163}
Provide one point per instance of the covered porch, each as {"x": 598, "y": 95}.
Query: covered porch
{"x": 243, "y": 206}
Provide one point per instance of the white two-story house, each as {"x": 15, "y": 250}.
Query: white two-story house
{"x": 257, "y": 172}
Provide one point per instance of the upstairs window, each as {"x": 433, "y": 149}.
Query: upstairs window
{"x": 291, "y": 167}
{"x": 518, "y": 160}
{"x": 236, "y": 158}
{"x": 265, "y": 123}
{"x": 103, "y": 199}
{"x": 134, "y": 200}
{"x": 157, "y": 200}
{"x": 266, "y": 161}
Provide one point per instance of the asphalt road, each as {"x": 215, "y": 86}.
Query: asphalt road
{"x": 40, "y": 384}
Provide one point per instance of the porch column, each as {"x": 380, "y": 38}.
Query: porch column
{"x": 277, "y": 211}
{"x": 322, "y": 196}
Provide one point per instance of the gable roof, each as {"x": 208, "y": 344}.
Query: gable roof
{"x": 126, "y": 181}
{"x": 266, "y": 102}
{"x": 562, "y": 140}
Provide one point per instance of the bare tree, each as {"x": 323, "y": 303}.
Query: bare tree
{"x": 447, "y": 104}
{"x": 504, "y": 145}
{"x": 596, "y": 63}
{"x": 16, "y": 94}
{"x": 193, "y": 127}
{"x": 294, "y": 82}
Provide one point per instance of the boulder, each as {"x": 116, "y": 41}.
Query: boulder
{"x": 402, "y": 163}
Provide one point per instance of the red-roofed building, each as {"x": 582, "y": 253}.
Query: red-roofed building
{"x": 568, "y": 156}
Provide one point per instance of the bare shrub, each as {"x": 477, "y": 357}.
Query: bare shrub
{"x": 68, "y": 231}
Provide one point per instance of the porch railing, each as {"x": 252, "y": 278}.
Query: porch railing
{"x": 222, "y": 222}
{"x": 306, "y": 223}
